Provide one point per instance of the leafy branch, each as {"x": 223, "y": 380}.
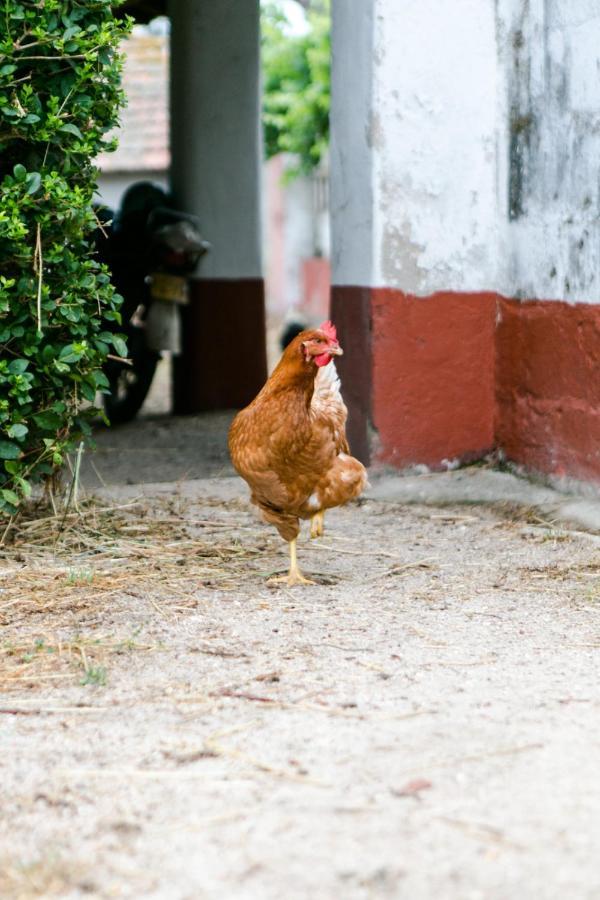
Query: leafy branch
{"x": 57, "y": 306}
{"x": 296, "y": 97}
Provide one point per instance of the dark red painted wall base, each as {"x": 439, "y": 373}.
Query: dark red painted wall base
{"x": 451, "y": 376}
{"x": 433, "y": 376}
{"x": 224, "y": 361}
{"x": 548, "y": 386}
{"x": 351, "y": 312}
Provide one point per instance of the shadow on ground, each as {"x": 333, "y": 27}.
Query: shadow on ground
{"x": 160, "y": 449}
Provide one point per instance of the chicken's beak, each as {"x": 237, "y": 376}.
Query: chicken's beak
{"x": 336, "y": 350}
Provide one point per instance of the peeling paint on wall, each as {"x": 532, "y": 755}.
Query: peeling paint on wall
{"x": 400, "y": 257}
{"x": 551, "y": 56}
{"x": 435, "y": 178}
{"x": 478, "y": 160}
{"x": 481, "y": 189}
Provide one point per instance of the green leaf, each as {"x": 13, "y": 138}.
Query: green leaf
{"x": 18, "y": 366}
{"x": 34, "y": 181}
{"x": 88, "y": 391}
{"x": 47, "y": 420}
{"x": 8, "y": 450}
{"x": 100, "y": 379}
{"x": 56, "y": 119}
{"x": 70, "y": 354}
{"x": 119, "y": 345}
{"x": 71, "y": 129}
{"x": 25, "y": 487}
{"x": 17, "y": 431}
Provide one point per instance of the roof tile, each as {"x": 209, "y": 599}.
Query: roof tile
{"x": 144, "y": 131}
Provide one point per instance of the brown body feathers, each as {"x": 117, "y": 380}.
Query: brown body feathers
{"x": 290, "y": 443}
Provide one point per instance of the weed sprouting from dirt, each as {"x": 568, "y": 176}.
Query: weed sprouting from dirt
{"x": 94, "y": 675}
{"x": 80, "y": 576}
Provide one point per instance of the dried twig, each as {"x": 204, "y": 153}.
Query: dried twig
{"x": 38, "y": 268}
{"x": 477, "y": 757}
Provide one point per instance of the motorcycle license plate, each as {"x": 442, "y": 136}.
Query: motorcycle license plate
{"x": 172, "y": 288}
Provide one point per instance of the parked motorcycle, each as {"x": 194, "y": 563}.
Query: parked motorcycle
{"x": 151, "y": 250}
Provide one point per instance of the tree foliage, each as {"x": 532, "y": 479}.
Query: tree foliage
{"x": 296, "y": 98}
{"x": 60, "y": 94}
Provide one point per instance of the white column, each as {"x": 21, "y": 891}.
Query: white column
{"x": 414, "y": 135}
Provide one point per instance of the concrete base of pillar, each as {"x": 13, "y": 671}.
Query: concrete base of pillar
{"x": 417, "y": 374}
{"x": 446, "y": 378}
{"x": 224, "y": 360}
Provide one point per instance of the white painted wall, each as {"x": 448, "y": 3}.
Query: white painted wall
{"x": 549, "y": 56}
{"x": 413, "y": 145}
{"x": 294, "y": 229}
{"x": 287, "y": 236}
{"x": 433, "y": 131}
{"x": 466, "y": 146}
{"x": 298, "y": 238}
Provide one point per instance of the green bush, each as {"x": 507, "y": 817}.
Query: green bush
{"x": 60, "y": 93}
{"x": 296, "y": 91}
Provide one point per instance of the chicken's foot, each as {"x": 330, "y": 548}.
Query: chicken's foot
{"x": 294, "y": 576}
{"x": 317, "y": 524}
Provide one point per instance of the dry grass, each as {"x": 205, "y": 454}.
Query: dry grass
{"x": 60, "y": 573}
{"x": 32, "y": 663}
{"x": 50, "y": 876}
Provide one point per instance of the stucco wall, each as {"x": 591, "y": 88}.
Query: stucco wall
{"x": 467, "y": 180}
{"x": 433, "y": 133}
{"x": 466, "y": 146}
{"x": 549, "y": 123}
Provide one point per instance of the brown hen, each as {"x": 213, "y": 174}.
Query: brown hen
{"x": 290, "y": 443}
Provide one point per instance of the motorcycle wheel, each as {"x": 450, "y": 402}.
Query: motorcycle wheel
{"x": 129, "y": 385}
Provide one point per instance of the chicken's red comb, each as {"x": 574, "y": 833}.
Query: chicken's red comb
{"x": 329, "y": 329}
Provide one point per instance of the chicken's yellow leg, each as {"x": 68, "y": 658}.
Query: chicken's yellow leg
{"x": 317, "y": 524}
{"x": 294, "y": 576}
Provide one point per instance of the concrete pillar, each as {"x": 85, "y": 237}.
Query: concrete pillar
{"x": 352, "y": 204}
{"x": 215, "y": 174}
{"x": 466, "y": 229}
{"x": 413, "y": 200}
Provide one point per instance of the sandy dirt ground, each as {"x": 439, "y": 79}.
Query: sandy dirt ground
{"x": 422, "y": 723}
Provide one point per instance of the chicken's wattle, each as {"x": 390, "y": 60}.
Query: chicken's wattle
{"x": 323, "y": 358}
